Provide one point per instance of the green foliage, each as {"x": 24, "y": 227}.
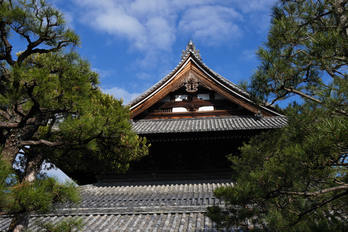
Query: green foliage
{"x": 110, "y": 143}
{"x": 50, "y": 101}
{"x": 306, "y": 48}
{"x": 40, "y": 196}
{"x": 38, "y": 23}
{"x": 290, "y": 179}
{"x": 5, "y": 180}
{"x": 295, "y": 178}
{"x": 52, "y": 110}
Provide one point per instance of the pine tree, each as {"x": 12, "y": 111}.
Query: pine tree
{"x": 51, "y": 109}
{"x": 295, "y": 178}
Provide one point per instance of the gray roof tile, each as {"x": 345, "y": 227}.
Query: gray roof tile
{"x": 133, "y": 222}
{"x": 145, "y": 206}
{"x": 208, "y": 124}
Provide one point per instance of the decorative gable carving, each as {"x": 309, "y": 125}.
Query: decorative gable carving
{"x": 191, "y": 82}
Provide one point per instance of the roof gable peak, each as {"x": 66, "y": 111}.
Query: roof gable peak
{"x": 191, "y": 76}
{"x": 191, "y": 48}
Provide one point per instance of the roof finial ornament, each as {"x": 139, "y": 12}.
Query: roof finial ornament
{"x": 191, "y": 48}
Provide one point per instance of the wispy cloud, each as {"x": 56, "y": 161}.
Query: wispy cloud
{"x": 255, "y": 13}
{"x": 137, "y": 21}
{"x": 104, "y": 73}
{"x": 248, "y": 55}
{"x": 121, "y": 93}
{"x": 151, "y": 28}
{"x": 253, "y": 6}
{"x": 212, "y": 24}
{"x": 153, "y": 25}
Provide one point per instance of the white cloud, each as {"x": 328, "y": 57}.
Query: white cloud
{"x": 256, "y": 13}
{"x": 112, "y": 18}
{"x": 137, "y": 21}
{"x": 154, "y": 24}
{"x": 115, "y": 21}
{"x": 161, "y": 33}
{"x": 212, "y": 24}
{"x": 248, "y": 55}
{"x": 252, "y": 6}
{"x": 121, "y": 93}
{"x": 103, "y": 73}
{"x": 145, "y": 9}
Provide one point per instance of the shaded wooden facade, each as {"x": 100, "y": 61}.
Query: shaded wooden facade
{"x": 193, "y": 119}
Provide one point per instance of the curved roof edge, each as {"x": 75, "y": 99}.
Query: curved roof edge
{"x": 178, "y": 68}
{"x": 191, "y": 55}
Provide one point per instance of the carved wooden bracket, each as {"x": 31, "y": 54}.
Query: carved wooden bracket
{"x": 191, "y": 82}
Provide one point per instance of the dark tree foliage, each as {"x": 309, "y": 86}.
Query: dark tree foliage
{"x": 52, "y": 110}
{"x": 295, "y": 178}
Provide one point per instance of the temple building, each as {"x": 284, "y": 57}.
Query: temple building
{"x": 193, "y": 118}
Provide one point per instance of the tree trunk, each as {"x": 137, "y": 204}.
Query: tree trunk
{"x": 20, "y": 221}
{"x": 341, "y": 17}
{"x": 11, "y": 148}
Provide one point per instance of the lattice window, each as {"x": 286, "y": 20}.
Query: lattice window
{"x": 164, "y": 111}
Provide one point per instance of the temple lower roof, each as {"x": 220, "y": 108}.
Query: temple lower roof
{"x": 207, "y": 124}
{"x": 141, "y": 206}
{"x": 131, "y": 222}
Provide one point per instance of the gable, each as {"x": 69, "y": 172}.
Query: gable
{"x": 193, "y": 90}
{"x": 201, "y": 102}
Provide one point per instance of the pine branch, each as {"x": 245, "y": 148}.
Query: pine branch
{"x": 292, "y": 90}
{"x": 308, "y": 194}
{"x": 41, "y": 142}
{"x": 318, "y": 206}
{"x": 4, "y": 115}
{"x": 8, "y": 47}
{"x": 8, "y": 125}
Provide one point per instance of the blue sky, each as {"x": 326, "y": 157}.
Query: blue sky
{"x": 133, "y": 44}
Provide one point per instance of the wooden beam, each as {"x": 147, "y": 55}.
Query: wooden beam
{"x": 197, "y": 114}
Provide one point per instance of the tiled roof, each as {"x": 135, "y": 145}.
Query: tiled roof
{"x": 129, "y": 222}
{"x": 148, "y": 206}
{"x": 163, "y": 80}
{"x": 208, "y": 124}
